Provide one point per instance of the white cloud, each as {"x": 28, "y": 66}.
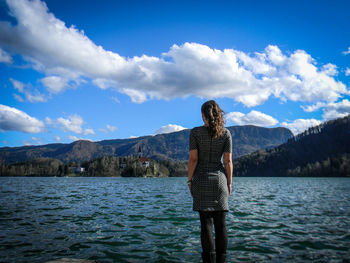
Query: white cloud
{"x": 188, "y": 69}
{"x": 347, "y": 72}
{"x": 31, "y": 97}
{"x": 252, "y": 118}
{"x": 27, "y": 143}
{"x": 5, "y": 57}
{"x": 169, "y": 128}
{"x": 73, "y": 123}
{"x": 300, "y": 125}
{"x": 36, "y": 140}
{"x": 109, "y": 128}
{"x": 48, "y": 120}
{"x": 18, "y": 97}
{"x": 88, "y": 131}
{"x": 75, "y": 138}
{"x": 104, "y": 83}
{"x": 331, "y": 110}
{"x": 336, "y": 110}
{"x": 17, "y": 85}
{"x": 55, "y": 84}
{"x": 17, "y": 120}
{"x": 33, "y": 141}
{"x": 347, "y": 52}
{"x": 314, "y": 107}
{"x": 115, "y": 99}
{"x": 57, "y": 138}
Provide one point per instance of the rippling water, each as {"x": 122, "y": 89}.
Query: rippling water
{"x": 271, "y": 219}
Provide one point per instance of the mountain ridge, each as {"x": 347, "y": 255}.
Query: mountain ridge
{"x": 167, "y": 146}
{"x": 322, "y": 150}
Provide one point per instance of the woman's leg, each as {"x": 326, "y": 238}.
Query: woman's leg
{"x": 220, "y": 232}
{"x": 206, "y": 231}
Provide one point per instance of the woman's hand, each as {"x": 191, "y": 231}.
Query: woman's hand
{"x": 190, "y": 188}
{"x": 229, "y": 186}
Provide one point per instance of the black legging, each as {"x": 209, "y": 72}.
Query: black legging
{"x": 207, "y": 219}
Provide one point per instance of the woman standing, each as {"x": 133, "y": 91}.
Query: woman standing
{"x": 209, "y": 180}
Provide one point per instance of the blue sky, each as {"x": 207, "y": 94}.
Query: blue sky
{"x": 115, "y": 69}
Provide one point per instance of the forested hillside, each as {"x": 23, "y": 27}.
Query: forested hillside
{"x": 112, "y": 166}
{"x": 322, "y": 150}
{"x": 170, "y": 146}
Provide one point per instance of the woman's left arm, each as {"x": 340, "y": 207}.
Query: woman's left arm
{"x": 192, "y": 164}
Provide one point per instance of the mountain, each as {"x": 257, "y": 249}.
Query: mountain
{"x": 170, "y": 146}
{"x": 323, "y": 150}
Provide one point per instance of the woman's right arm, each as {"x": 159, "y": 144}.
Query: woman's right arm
{"x": 229, "y": 169}
{"x": 192, "y": 164}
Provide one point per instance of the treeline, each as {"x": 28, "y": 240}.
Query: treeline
{"x": 113, "y": 166}
{"x": 323, "y": 150}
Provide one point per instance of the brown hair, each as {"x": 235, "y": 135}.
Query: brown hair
{"x": 214, "y": 115}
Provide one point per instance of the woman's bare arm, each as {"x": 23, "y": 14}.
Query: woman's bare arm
{"x": 229, "y": 169}
{"x": 192, "y": 164}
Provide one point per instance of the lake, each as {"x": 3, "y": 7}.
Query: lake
{"x": 271, "y": 219}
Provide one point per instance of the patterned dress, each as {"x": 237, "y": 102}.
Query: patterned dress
{"x": 209, "y": 182}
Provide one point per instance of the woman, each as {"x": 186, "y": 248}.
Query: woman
{"x": 209, "y": 181}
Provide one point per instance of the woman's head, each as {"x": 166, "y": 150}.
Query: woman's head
{"x": 213, "y": 114}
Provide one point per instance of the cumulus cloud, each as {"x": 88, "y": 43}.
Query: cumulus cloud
{"x": 336, "y": 110}
{"x": 18, "y": 97}
{"x": 48, "y": 120}
{"x": 347, "y": 72}
{"x": 347, "y": 52}
{"x": 252, "y": 118}
{"x": 109, "y": 128}
{"x": 36, "y": 140}
{"x": 57, "y": 138}
{"x": 300, "y": 125}
{"x": 33, "y": 141}
{"x": 331, "y": 110}
{"x": 169, "y": 128}
{"x": 5, "y": 57}
{"x": 115, "y": 99}
{"x": 188, "y": 69}
{"x": 55, "y": 84}
{"x": 88, "y": 131}
{"x": 12, "y": 119}
{"x": 30, "y": 96}
{"x": 104, "y": 83}
{"x": 73, "y": 123}
{"x": 75, "y": 138}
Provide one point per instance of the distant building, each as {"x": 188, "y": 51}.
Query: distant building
{"x": 144, "y": 161}
{"x": 78, "y": 169}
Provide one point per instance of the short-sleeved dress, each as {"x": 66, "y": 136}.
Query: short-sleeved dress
{"x": 209, "y": 182}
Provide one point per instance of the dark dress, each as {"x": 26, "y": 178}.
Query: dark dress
{"x": 209, "y": 182}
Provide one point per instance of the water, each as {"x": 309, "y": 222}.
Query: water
{"x": 151, "y": 220}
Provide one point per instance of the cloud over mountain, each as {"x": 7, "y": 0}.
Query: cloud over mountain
{"x": 169, "y": 128}
{"x": 66, "y": 55}
{"x": 253, "y": 118}
{"x": 12, "y": 119}
{"x": 299, "y": 125}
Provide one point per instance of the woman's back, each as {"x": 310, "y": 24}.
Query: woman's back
{"x": 210, "y": 150}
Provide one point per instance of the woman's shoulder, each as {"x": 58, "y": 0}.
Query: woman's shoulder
{"x": 199, "y": 128}
{"x": 227, "y": 132}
